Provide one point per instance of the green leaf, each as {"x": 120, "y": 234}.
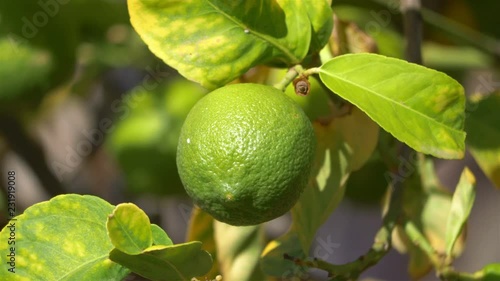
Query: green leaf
{"x": 59, "y": 28}
{"x": 461, "y": 205}
{"x": 129, "y": 229}
{"x": 419, "y": 106}
{"x": 238, "y": 251}
{"x": 50, "y": 27}
{"x": 213, "y": 42}
{"x": 345, "y": 144}
{"x": 160, "y": 237}
{"x": 321, "y": 17}
{"x": 62, "y": 239}
{"x": 419, "y": 249}
{"x": 490, "y": 272}
{"x": 419, "y": 264}
{"x": 176, "y": 262}
{"x": 426, "y": 204}
{"x": 483, "y": 133}
{"x": 22, "y": 69}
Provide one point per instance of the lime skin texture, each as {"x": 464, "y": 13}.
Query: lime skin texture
{"x": 245, "y": 153}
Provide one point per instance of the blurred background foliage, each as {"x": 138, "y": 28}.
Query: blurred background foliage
{"x": 86, "y": 108}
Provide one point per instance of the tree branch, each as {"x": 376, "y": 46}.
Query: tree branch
{"x": 381, "y": 246}
{"x": 412, "y": 19}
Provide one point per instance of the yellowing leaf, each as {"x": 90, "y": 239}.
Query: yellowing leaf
{"x": 422, "y": 107}
{"x": 213, "y": 42}
{"x": 62, "y": 239}
{"x": 129, "y": 229}
{"x": 427, "y": 205}
{"x": 461, "y": 206}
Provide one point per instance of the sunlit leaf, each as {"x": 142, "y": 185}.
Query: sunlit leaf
{"x": 427, "y": 205}
{"x": 419, "y": 106}
{"x": 62, "y": 239}
{"x": 176, "y": 262}
{"x": 129, "y": 229}
{"x": 483, "y": 133}
{"x": 238, "y": 251}
{"x": 160, "y": 237}
{"x": 321, "y": 17}
{"x": 213, "y": 42}
{"x": 490, "y": 272}
{"x": 461, "y": 205}
{"x": 418, "y": 264}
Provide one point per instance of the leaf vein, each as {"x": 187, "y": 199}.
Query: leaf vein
{"x": 259, "y": 35}
{"x": 392, "y": 102}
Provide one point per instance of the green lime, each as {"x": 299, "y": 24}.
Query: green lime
{"x": 245, "y": 153}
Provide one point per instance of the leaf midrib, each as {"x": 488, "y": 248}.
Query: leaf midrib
{"x": 259, "y": 35}
{"x": 389, "y": 100}
{"x": 128, "y": 234}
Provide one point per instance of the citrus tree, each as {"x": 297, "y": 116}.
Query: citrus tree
{"x": 295, "y": 105}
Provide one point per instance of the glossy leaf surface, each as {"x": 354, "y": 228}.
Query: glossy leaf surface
{"x": 213, "y": 42}
{"x": 461, "y": 206}
{"x": 62, "y": 239}
{"x": 422, "y": 107}
{"x": 176, "y": 262}
{"x": 129, "y": 229}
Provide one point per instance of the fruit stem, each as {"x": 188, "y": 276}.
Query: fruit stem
{"x": 293, "y": 73}
{"x": 311, "y": 71}
{"x": 289, "y": 77}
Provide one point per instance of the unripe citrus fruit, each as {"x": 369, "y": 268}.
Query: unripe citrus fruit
{"x": 245, "y": 153}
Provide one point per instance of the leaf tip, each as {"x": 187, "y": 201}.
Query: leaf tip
{"x": 469, "y": 176}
